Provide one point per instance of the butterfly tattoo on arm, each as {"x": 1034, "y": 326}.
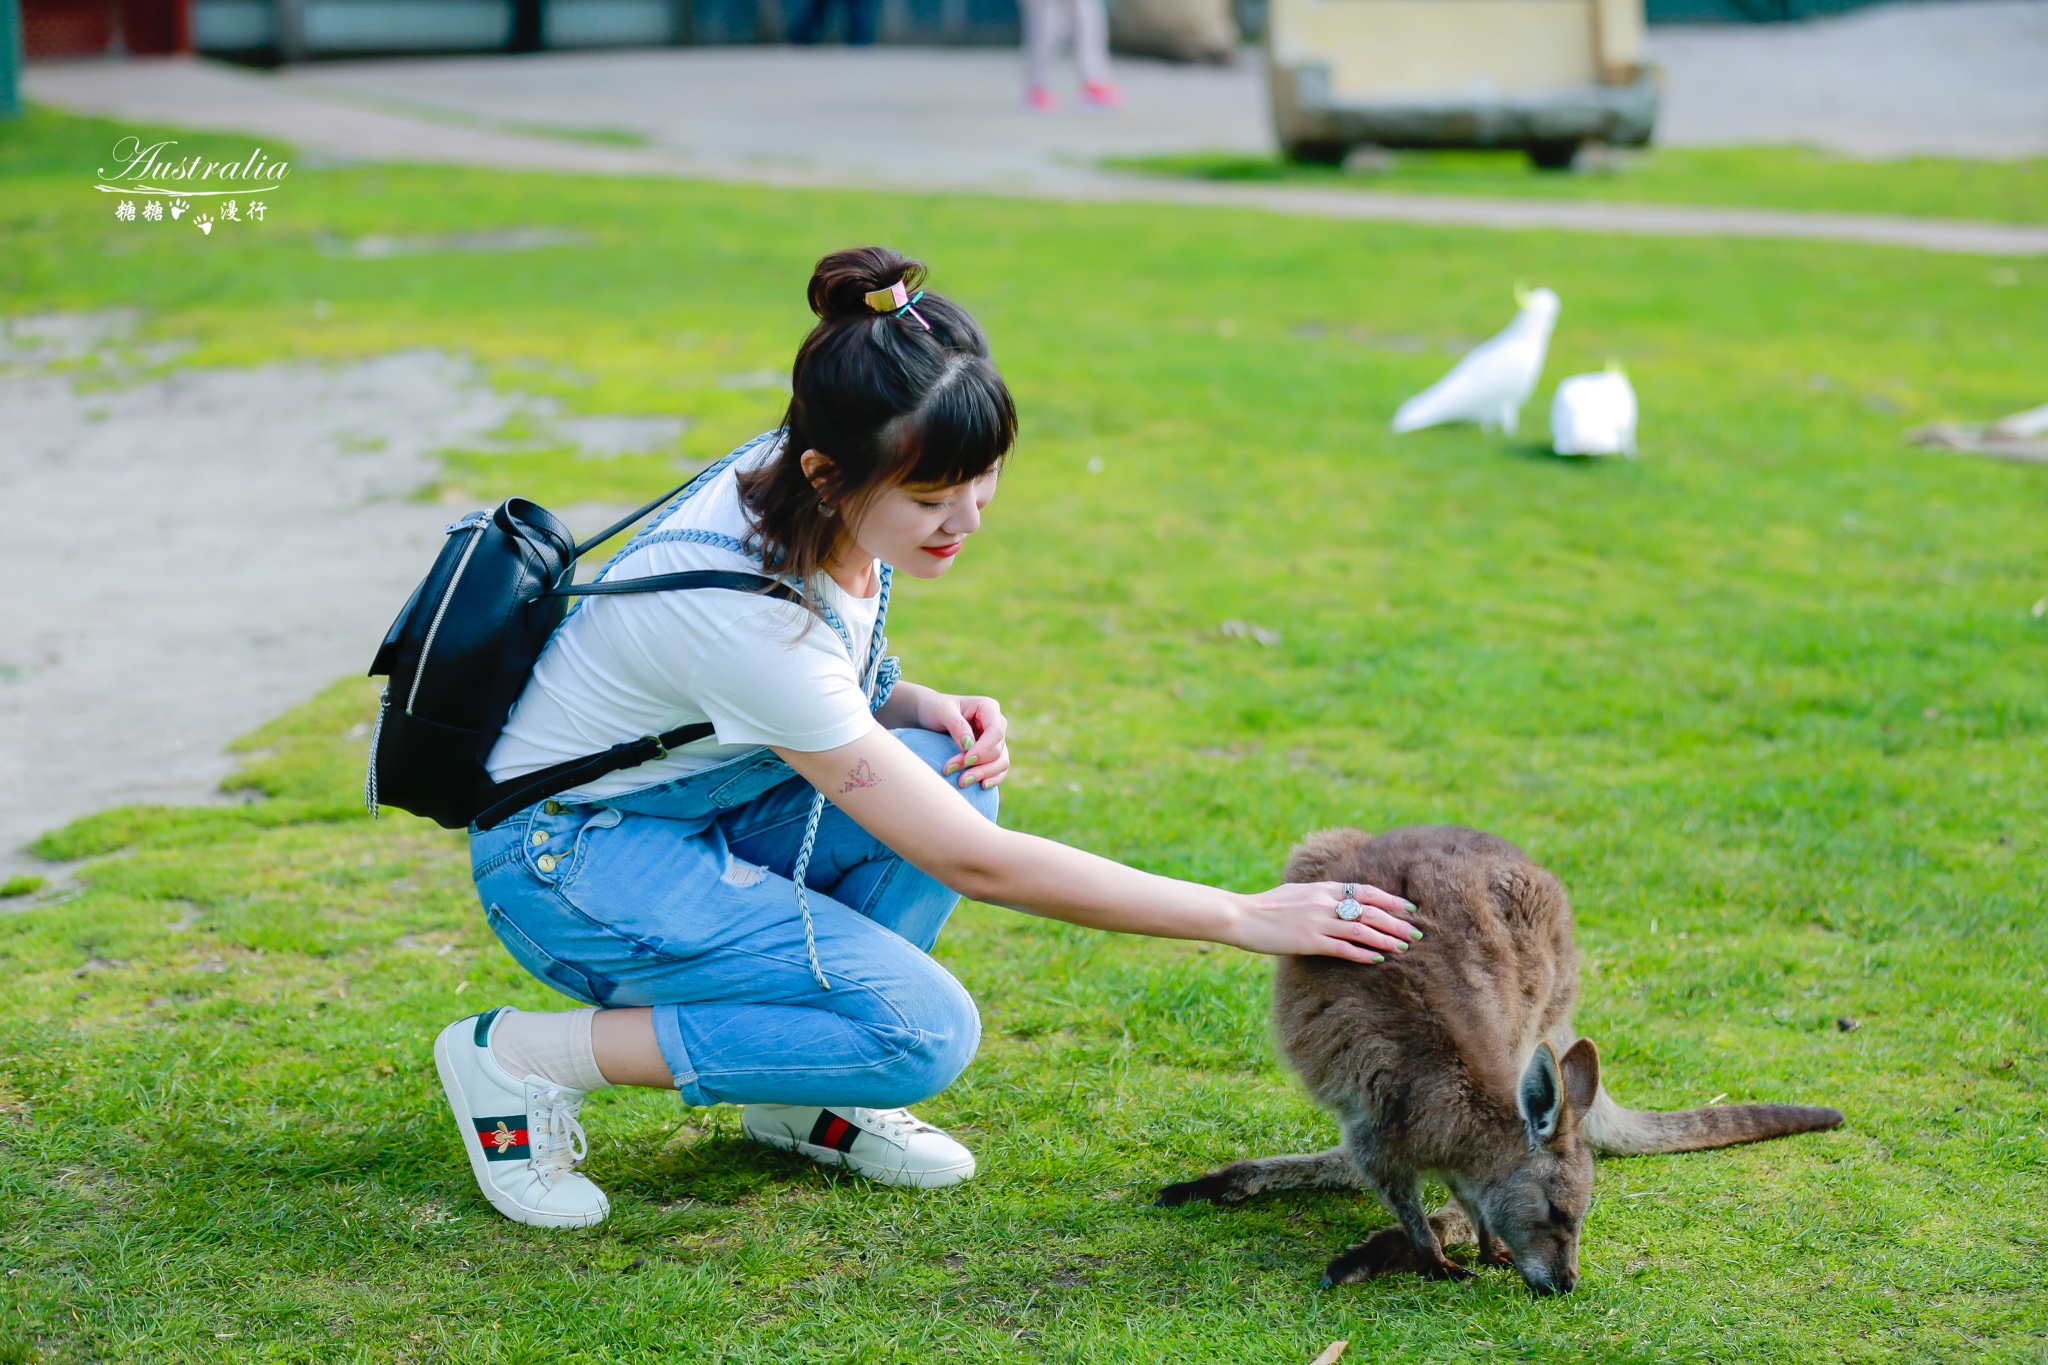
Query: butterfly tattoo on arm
{"x": 861, "y": 775}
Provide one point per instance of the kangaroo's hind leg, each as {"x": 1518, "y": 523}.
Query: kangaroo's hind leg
{"x": 1240, "y": 1180}
{"x": 1389, "y": 1252}
{"x": 1417, "y": 1244}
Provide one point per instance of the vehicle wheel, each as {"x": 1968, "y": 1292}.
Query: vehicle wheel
{"x": 1318, "y": 153}
{"x": 1554, "y": 156}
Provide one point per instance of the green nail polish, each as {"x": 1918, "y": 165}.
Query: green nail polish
{"x": 1374, "y": 957}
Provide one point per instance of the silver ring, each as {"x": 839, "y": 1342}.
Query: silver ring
{"x": 1348, "y": 909}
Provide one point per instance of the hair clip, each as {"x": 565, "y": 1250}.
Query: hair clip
{"x": 897, "y": 300}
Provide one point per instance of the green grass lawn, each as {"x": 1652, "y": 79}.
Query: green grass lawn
{"x": 1768, "y": 700}
{"x": 1747, "y": 177}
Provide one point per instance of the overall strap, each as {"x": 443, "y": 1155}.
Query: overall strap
{"x": 696, "y": 481}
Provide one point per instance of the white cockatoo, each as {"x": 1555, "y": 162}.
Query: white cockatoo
{"x": 1594, "y": 414}
{"x": 2023, "y": 425}
{"x": 1495, "y": 378}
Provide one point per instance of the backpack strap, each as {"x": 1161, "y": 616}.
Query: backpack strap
{"x": 522, "y": 791}
{"x": 608, "y": 532}
{"x": 516, "y": 794}
{"x": 734, "y": 579}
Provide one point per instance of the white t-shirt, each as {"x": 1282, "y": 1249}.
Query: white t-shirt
{"x": 641, "y": 663}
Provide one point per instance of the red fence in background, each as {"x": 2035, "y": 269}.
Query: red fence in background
{"x": 87, "y": 28}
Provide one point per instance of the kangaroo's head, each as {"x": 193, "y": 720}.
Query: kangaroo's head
{"x": 1536, "y": 1207}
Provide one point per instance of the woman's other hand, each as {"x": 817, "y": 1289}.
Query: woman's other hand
{"x": 1301, "y": 919}
{"x": 978, "y": 726}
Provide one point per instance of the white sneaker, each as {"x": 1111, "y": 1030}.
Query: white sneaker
{"x": 893, "y": 1146}
{"x": 522, "y": 1136}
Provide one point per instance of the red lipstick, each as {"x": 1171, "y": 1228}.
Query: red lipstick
{"x": 943, "y": 551}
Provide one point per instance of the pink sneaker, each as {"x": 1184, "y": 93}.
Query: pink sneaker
{"x": 1102, "y": 95}
{"x": 1039, "y": 100}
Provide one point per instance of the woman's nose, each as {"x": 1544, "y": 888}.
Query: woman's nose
{"x": 964, "y": 522}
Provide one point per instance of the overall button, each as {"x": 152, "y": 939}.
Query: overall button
{"x": 552, "y": 807}
{"x": 545, "y": 862}
{"x": 540, "y": 836}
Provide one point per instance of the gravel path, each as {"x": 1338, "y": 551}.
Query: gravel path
{"x": 211, "y": 547}
{"x": 1959, "y": 78}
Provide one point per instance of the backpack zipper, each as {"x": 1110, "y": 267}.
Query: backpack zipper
{"x": 475, "y": 524}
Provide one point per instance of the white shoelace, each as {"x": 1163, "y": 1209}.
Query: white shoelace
{"x": 898, "y": 1125}
{"x": 554, "y": 1135}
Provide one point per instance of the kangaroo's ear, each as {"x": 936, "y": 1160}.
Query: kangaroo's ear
{"x": 1580, "y": 1067}
{"x": 1541, "y": 1097}
{"x": 1315, "y": 857}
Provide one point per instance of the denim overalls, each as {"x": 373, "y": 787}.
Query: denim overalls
{"x": 679, "y": 896}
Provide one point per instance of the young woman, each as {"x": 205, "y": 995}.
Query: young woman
{"x": 741, "y": 940}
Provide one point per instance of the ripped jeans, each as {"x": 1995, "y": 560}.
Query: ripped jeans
{"x": 693, "y": 913}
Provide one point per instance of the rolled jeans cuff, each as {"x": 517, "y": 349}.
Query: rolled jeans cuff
{"x": 668, "y": 1036}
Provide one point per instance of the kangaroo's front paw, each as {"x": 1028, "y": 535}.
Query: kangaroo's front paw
{"x": 1443, "y": 1270}
{"x": 1386, "y": 1252}
{"x": 1215, "y": 1188}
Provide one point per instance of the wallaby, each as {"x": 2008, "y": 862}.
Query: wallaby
{"x": 1456, "y": 1059}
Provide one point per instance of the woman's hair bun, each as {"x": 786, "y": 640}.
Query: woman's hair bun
{"x": 842, "y": 282}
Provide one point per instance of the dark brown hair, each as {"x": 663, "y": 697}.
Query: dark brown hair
{"x": 885, "y": 399}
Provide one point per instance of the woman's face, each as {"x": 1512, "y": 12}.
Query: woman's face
{"x": 917, "y": 528}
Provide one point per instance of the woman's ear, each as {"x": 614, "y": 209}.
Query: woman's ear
{"x": 817, "y": 467}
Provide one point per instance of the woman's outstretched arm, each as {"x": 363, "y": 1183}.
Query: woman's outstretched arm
{"x": 891, "y": 794}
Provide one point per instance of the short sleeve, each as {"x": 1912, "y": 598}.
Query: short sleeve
{"x": 763, "y": 683}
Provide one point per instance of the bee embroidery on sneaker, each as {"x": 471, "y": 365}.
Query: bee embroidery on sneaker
{"x": 500, "y": 1140}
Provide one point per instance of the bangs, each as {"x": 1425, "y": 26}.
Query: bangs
{"x": 963, "y": 429}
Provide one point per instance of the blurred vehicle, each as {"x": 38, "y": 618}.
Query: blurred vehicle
{"x": 1545, "y": 76}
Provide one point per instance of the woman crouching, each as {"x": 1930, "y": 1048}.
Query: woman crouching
{"x": 750, "y": 918}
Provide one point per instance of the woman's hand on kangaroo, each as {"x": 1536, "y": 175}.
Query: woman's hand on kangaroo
{"x": 1301, "y": 919}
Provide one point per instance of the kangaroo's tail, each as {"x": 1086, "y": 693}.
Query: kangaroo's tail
{"x": 1629, "y": 1132}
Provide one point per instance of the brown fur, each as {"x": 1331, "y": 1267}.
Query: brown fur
{"x": 1457, "y": 1059}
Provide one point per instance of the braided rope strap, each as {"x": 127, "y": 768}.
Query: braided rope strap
{"x": 882, "y": 675}
{"x": 803, "y": 899}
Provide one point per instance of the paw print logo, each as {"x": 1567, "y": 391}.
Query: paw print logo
{"x": 203, "y": 223}
{"x": 178, "y": 207}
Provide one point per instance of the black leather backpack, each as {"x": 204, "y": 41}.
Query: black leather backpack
{"x": 465, "y": 643}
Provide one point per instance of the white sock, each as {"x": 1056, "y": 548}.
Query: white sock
{"x": 555, "y": 1047}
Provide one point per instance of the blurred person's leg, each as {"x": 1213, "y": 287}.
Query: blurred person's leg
{"x": 1091, "y": 52}
{"x": 1045, "y": 22}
